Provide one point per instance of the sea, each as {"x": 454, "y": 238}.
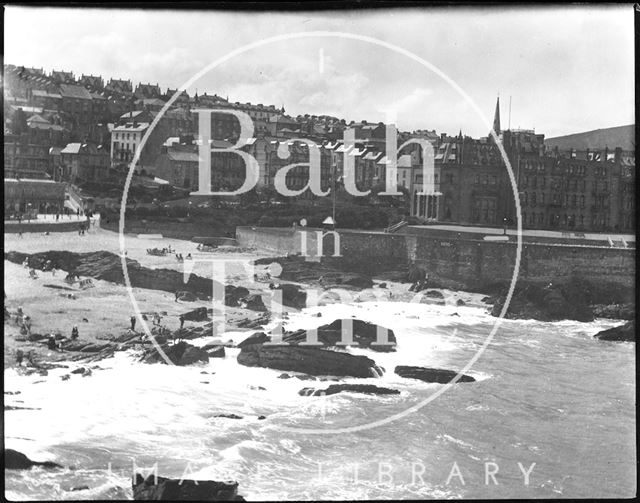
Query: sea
{"x": 550, "y": 415}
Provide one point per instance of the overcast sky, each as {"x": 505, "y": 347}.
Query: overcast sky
{"x": 567, "y": 69}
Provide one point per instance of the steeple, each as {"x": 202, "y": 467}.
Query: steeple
{"x": 496, "y": 118}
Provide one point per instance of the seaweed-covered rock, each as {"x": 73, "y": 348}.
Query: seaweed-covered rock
{"x": 180, "y": 354}
{"x": 432, "y": 375}
{"x": 165, "y": 489}
{"x": 308, "y": 360}
{"x": 368, "y": 389}
{"x": 546, "y": 303}
{"x": 626, "y": 332}
{"x": 15, "y": 460}
{"x": 363, "y": 334}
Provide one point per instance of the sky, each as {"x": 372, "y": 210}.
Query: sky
{"x": 564, "y": 69}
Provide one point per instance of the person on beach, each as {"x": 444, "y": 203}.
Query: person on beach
{"x": 51, "y": 343}
{"x": 181, "y": 322}
{"x": 133, "y": 323}
{"x": 188, "y": 256}
{"x": 74, "y": 332}
{"x": 19, "y": 357}
{"x": 27, "y": 325}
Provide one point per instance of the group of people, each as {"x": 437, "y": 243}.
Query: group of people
{"x": 420, "y": 285}
{"x": 180, "y": 258}
{"x": 55, "y": 342}
{"x": 23, "y": 321}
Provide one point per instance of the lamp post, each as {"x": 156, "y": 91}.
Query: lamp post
{"x": 189, "y": 210}
{"x": 504, "y": 221}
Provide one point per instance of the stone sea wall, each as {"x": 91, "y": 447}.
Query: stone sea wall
{"x": 473, "y": 263}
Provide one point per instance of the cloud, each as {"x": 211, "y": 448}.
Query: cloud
{"x": 568, "y": 68}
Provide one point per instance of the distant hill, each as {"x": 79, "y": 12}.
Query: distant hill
{"x": 621, "y": 136}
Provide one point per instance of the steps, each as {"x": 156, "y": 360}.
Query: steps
{"x": 396, "y": 227}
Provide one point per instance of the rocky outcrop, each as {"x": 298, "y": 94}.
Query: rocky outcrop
{"x": 364, "y": 334}
{"x": 626, "y": 332}
{"x": 257, "y": 338}
{"x": 296, "y": 268}
{"x": 197, "y": 314}
{"x": 165, "y": 489}
{"x": 214, "y": 350}
{"x": 615, "y": 311}
{"x": 308, "y": 360}
{"x": 431, "y": 375}
{"x": 368, "y": 389}
{"x": 292, "y": 295}
{"x": 254, "y": 302}
{"x": 14, "y": 460}
{"x": 181, "y": 353}
{"x": 546, "y": 303}
{"x": 107, "y": 266}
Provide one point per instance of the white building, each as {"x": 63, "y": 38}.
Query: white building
{"x": 125, "y": 139}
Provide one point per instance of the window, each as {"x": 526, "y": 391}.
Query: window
{"x": 533, "y": 199}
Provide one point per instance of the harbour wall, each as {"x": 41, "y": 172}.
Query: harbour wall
{"x": 462, "y": 261}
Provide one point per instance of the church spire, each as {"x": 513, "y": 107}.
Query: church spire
{"x": 496, "y": 117}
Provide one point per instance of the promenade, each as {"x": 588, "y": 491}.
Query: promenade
{"x": 49, "y": 223}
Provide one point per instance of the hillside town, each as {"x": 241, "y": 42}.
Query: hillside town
{"x": 69, "y": 141}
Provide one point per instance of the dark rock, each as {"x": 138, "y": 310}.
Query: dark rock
{"x": 79, "y": 488}
{"x": 253, "y": 302}
{"x": 415, "y": 274}
{"x": 214, "y": 350}
{"x": 79, "y": 370}
{"x": 256, "y": 338}
{"x": 260, "y": 418}
{"x": 364, "y": 335}
{"x": 460, "y": 302}
{"x": 546, "y": 303}
{"x": 305, "y": 377}
{"x": 487, "y": 300}
{"x": 186, "y": 296}
{"x": 615, "y": 311}
{"x": 229, "y": 416}
{"x": 165, "y": 489}
{"x": 181, "y": 353}
{"x": 65, "y": 377}
{"x": 255, "y": 323}
{"x": 257, "y": 388}
{"x": 14, "y": 460}
{"x": 308, "y": 360}
{"x": 281, "y": 376}
{"x": 382, "y": 285}
{"x": 292, "y": 295}
{"x": 626, "y": 332}
{"x": 198, "y": 314}
{"x": 426, "y": 374}
{"x": 368, "y": 389}
{"x": 107, "y": 266}
{"x": 434, "y": 294}
{"x": 234, "y": 294}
